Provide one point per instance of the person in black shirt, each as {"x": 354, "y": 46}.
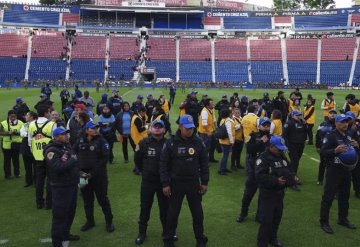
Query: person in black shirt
{"x": 336, "y": 146}
{"x": 192, "y": 107}
{"x": 279, "y": 103}
{"x": 272, "y": 175}
{"x": 295, "y": 134}
{"x": 184, "y": 171}
{"x": 147, "y": 157}
{"x": 93, "y": 154}
{"x": 223, "y": 104}
{"x": 325, "y": 127}
{"x": 64, "y": 178}
{"x": 21, "y": 109}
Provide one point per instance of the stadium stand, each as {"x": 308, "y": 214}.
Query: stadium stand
{"x": 230, "y": 49}
{"x": 49, "y": 45}
{"x": 335, "y": 72}
{"x": 247, "y": 23}
{"x": 89, "y": 47}
{"x": 122, "y": 48}
{"x": 13, "y": 45}
{"x": 301, "y": 49}
{"x": 88, "y": 70}
{"x": 265, "y": 50}
{"x": 337, "y": 49}
{"x": 197, "y": 71}
{"x": 12, "y": 69}
{"x": 161, "y": 49}
{"x": 321, "y": 21}
{"x": 194, "y": 49}
{"x": 269, "y": 71}
{"x": 234, "y": 71}
{"x": 47, "y": 69}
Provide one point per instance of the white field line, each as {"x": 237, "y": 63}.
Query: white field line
{"x": 4, "y": 241}
{"x": 45, "y": 240}
{"x": 312, "y": 158}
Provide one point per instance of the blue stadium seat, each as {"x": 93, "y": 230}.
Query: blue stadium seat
{"x": 197, "y": 71}
{"x": 266, "y": 71}
{"x": 231, "y": 71}
{"x": 88, "y": 70}
{"x": 119, "y": 67}
{"x": 247, "y": 22}
{"x": 335, "y": 72}
{"x": 47, "y": 69}
{"x": 321, "y": 21}
{"x": 300, "y": 72}
{"x": 12, "y": 69}
{"x": 36, "y": 17}
{"x": 164, "y": 69}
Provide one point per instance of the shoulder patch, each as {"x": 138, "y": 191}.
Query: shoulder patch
{"x": 325, "y": 140}
{"x": 50, "y": 155}
{"x": 286, "y": 125}
{"x": 107, "y": 146}
{"x": 258, "y": 162}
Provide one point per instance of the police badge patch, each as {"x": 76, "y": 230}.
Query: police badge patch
{"x": 191, "y": 151}
{"x": 50, "y": 155}
{"x": 258, "y": 162}
{"x": 92, "y": 148}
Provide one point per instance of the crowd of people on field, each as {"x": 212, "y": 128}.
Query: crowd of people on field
{"x": 62, "y": 154}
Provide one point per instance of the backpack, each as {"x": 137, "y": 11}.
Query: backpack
{"x": 221, "y": 132}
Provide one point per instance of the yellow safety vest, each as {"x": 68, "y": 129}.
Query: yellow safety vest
{"x": 210, "y": 122}
{"x": 39, "y": 140}
{"x": 261, "y": 114}
{"x": 330, "y": 105}
{"x": 278, "y": 127}
{"x": 7, "y": 140}
{"x": 182, "y": 111}
{"x": 226, "y": 141}
{"x": 239, "y": 132}
{"x": 249, "y": 124}
{"x": 355, "y": 109}
{"x": 136, "y": 136}
{"x": 166, "y": 107}
{"x": 311, "y": 119}
{"x": 291, "y": 103}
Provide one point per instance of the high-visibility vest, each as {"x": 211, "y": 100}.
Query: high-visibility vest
{"x": 249, "y": 124}
{"x": 226, "y": 141}
{"x": 7, "y": 140}
{"x": 311, "y": 119}
{"x": 136, "y": 136}
{"x": 239, "y": 132}
{"x": 330, "y": 105}
{"x": 166, "y": 107}
{"x": 157, "y": 118}
{"x": 355, "y": 109}
{"x": 210, "y": 122}
{"x": 278, "y": 127}
{"x": 41, "y": 135}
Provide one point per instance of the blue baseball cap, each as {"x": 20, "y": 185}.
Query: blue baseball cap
{"x": 296, "y": 113}
{"x": 350, "y": 115}
{"x": 187, "y": 121}
{"x": 341, "y": 118}
{"x": 19, "y": 99}
{"x": 140, "y": 96}
{"x": 43, "y": 95}
{"x": 278, "y": 142}
{"x": 60, "y": 131}
{"x": 158, "y": 122}
{"x": 91, "y": 125}
{"x": 194, "y": 92}
{"x": 115, "y": 91}
{"x": 148, "y": 95}
{"x": 264, "y": 120}
{"x": 104, "y": 95}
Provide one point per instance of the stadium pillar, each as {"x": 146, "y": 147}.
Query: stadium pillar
{"x": 28, "y": 60}
{"x": 248, "y": 58}
{"x": 318, "y": 68}
{"x": 284, "y": 60}
{"x": 177, "y": 43}
{"x": 212, "y": 44}
{"x": 69, "y": 38}
{"x": 107, "y": 57}
{"x": 353, "y": 66}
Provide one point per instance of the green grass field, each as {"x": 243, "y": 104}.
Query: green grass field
{"x": 23, "y": 225}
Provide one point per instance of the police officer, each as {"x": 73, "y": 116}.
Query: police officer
{"x": 273, "y": 176}
{"x": 184, "y": 171}
{"x": 93, "y": 154}
{"x": 64, "y": 178}
{"x": 147, "y": 156}
{"x": 39, "y": 135}
{"x": 295, "y": 134}
{"x": 324, "y": 128}
{"x": 336, "y": 148}
{"x": 115, "y": 102}
{"x": 192, "y": 107}
{"x": 256, "y": 145}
